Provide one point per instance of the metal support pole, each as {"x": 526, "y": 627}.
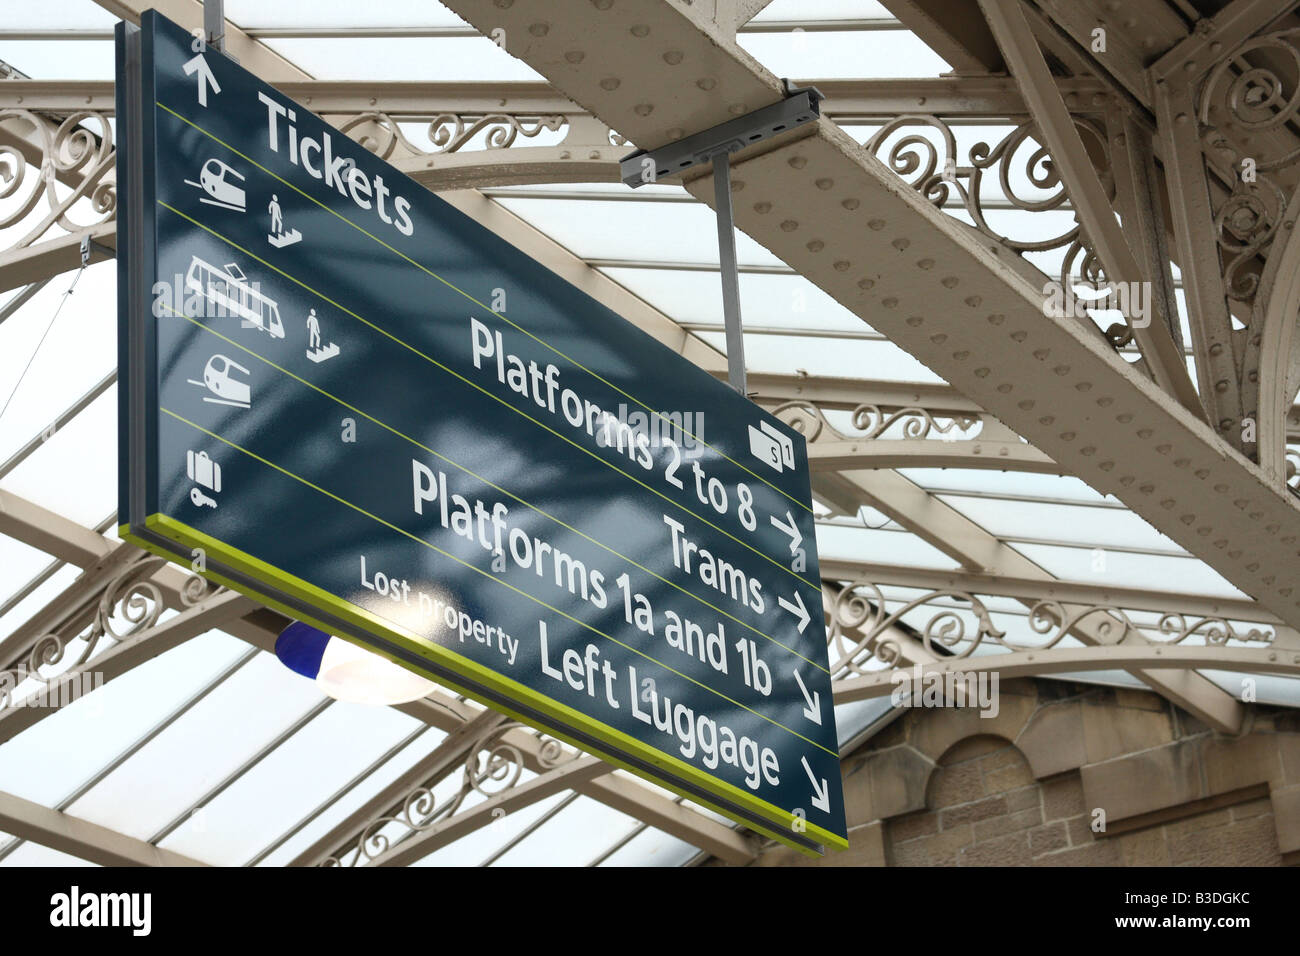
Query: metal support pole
{"x": 730, "y": 271}
{"x": 214, "y": 24}
{"x": 716, "y": 145}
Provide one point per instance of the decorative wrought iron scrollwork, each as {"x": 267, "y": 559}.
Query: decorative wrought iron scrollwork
{"x": 1081, "y": 266}
{"x": 1017, "y": 158}
{"x": 492, "y": 766}
{"x": 448, "y": 132}
{"x": 1257, "y": 86}
{"x": 73, "y": 159}
{"x": 939, "y": 178}
{"x": 130, "y": 597}
{"x": 871, "y": 422}
{"x": 1245, "y": 225}
{"x": 960, "y": 622}
{"x": 861, "y": 623}
{"x": 1255, "y": 91}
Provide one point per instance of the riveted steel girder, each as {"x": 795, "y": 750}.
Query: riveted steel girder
{"x": 656, "y": 70}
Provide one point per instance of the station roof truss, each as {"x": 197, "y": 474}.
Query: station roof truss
{"x": 1106, "y": 492}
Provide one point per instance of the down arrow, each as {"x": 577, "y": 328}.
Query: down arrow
{"x": 791, "y": 529}
{"x": 814, "y": 709}
{"x": 821, "y": 792}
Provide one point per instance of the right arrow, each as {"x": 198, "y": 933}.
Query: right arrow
{"x": 821, "y": 792}
{"x": 797, "y": 609}
{"x": 789, "y": 528}
{"x": 199, "y": 64}
{"x": 814, "y": 709}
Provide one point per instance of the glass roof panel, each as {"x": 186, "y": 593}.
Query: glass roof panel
{"x": 342, "y": 741}
{"x": 1156, "y": 572}
{"x": 771, "y": 301}
{"x": 49, "y": 58}
{"x": 74, "y": 473}
{"x": 478, "y": 847}
{"x": 1009, "y": 483}
{"x": 222, "y": 731}
{"x": 823, "y": 10}
{"x": 51, "y": 759}
{"x": 652, "y": 847}
{"x": 573, "y": 837}
{"x": 410, "y": 59}
{"x": 22, "y": 610}
{"x": 58, "y": 15}
{"x": 78, "y": 350}
{"x": 840, "y": 358}
{"x": 19, "y": 563}
{"x": 1102, "y": 527}
{"x": 847, "y": 543}
{"x": 251, "y": 14}
{"x": 818, "y": 55}
{"x": 354, "y": 799}
{"x": 1270, "y": 689}
{"x": 651, "y": 232}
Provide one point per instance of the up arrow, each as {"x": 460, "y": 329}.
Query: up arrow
{"x": 791, "y": 529}
{"x": 821, "y": 792}
{"x": 814, "y": 709}
{"x": 797, "y": 609}
{"x": 200, "y": 66}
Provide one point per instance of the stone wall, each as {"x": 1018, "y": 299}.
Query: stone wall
{"x": 1071, "y": 775}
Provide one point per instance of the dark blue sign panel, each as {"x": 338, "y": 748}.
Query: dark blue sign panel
{"x": 378, "y": 416}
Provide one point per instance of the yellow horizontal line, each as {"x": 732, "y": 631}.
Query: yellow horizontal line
{"x": 491, "y": 484}
{"x": 503, "y": 318}
{"x": 497, "y": 398}
{"x": 491, "y": 577}
{"x": 560, "y": 719}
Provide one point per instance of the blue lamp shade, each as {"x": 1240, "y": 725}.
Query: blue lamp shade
{"x": 347, "y": 671}
{"x": 300, "y": 648}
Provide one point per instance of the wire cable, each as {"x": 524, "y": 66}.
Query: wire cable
{"x": 26, "y": 368}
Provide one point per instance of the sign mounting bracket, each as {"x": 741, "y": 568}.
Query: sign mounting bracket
{"x": 214, "y": 26}
{"x": 715, "y": 145}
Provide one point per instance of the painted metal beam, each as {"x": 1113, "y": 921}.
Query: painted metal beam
{"x": 41, "y": 260}
{"x": 68, "y": 613}
{"x": 1131, "y": 657}
{"x": 1134, "y": 33}
{"x": 929, "y": 453}
{"x": 981, "y": 552}
{"x": 81, "y": 838}
{"x": 768, "y": 388}
{"x": 52, "y": 533}
{"x": 1087, "y": 194}
{"x": 1196, "y": 53}
{"x": 567, "y": 776}
{"x": 842, "y": 219}
{"x": 129, "y": 653}
{"x": 955, "y": 31}
{"x": 1038, "y": 589}
{"x": 345, "y": 835}
{"x": 979, "y": 98}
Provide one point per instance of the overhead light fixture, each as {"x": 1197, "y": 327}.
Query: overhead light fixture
{"x": 347, "y": 671}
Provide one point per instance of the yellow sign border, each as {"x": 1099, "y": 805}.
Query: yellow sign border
{"x": 191, "y": 538}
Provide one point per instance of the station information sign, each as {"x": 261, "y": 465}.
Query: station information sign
{"x": 374, "y": 414}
